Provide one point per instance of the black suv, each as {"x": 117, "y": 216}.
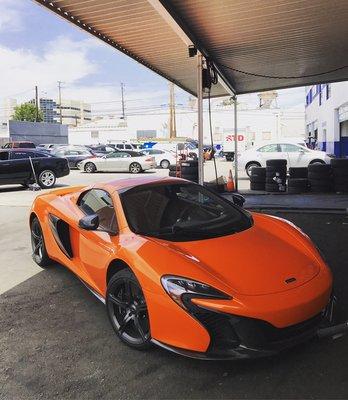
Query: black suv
{"x": 15, "y": 167}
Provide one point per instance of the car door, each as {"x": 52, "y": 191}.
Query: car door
{"x": 297, "y": 156}
{"x": 20, "y": 166}
{"x": 5, "y": 171}
{"x": 270, "y": 152}
{"x": 115, "y": 162}
{"x": 97, "y": 247}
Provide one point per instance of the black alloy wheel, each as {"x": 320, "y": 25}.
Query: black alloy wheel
{"x": 127, "y": 310}
{"x": 39, "y": 253}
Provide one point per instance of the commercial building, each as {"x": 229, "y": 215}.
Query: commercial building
{"x": 327, "y": 117}
{"x": 48, "y": 108}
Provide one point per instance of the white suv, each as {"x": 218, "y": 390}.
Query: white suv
{"x": 295, "y": 154}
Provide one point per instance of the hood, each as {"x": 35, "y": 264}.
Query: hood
{"x": 270, "y": 257}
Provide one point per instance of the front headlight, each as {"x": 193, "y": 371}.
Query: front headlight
{"x": 181, "y": 290}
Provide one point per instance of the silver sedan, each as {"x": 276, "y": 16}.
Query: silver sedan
{"x": 118, "y": 162}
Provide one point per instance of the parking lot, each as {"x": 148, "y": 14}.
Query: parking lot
{"x": 49, "y": 320}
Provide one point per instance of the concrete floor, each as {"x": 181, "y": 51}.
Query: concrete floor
{"x": 56, "y": 342}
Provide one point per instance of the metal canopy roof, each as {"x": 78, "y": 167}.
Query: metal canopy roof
{"x": 292, "y": 39}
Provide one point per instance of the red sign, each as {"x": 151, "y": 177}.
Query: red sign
{"x": 230, "y": 138}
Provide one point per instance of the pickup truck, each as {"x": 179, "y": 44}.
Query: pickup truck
{"x": 16, "y": 168}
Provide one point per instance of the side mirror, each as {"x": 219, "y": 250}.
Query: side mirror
{"x": 238, "y": 200}
{"x": 89, "y": 222}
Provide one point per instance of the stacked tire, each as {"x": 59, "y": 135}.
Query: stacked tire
{"x": 258, "y": 178}
{"x": 298, "y": 180}
{"x": 320, "y": 178}
{"x": 340, "y": 174}
{"x": 276, "y": 175}
{"x": 188, "y": 169}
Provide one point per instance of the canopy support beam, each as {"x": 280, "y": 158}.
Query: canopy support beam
{"x": 235, "y": 144}
{"x": 200, "y": 117}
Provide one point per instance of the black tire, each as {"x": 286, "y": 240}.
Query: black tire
{"x": 127, "y": 311}
{"x": 191, "y": 177}
{"x": 324, "y": 169}
{"x": 258, "y": 174}
{"x": 189, "y": 163}
{"x": 270, "y": 187}
{"x": 90, "y": 168}
{"x": 341, "y": 180}
{"x": 317, "y": 162}
{"x": 298, "y": 172}
{"x": 164, "y": 164}
{"x": 340, "y": 172}
{"x": 47, "y": 179}
{"x": 341, "y": 188}
{"x": 299, "y": 182}
{"x": 189, "y": 170}
{"x": 276, "y": 163}
{"x": 250, "y": 166}
{"x": 339, "y": 163}
{"x": 319, "y": 175}
{"x": 39, "y": 253}
{"x": 257, "y": 186}
{"x": 297, "y": 190}
{"x": 135, "y": 168}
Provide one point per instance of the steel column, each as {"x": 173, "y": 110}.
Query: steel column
{"x": 200, "y": 117}
{"x": 235, "y": 145}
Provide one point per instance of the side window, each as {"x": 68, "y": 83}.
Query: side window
{"x": 3, "y": 155}
{"x": 7, "y": 146}
{"x": 97, "y": 201}
{"x": 128, "y": 147}
{"x": 269, "y": 148}
{"x": 40, "y": 155}
{"x": 290, "y": 148}
{"x": 17, "y": 155}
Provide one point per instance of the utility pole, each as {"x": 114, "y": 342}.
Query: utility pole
{"x": 123, "y": 106}
{"x": 60, "y": 101}
{"x": 37, "y": 104}
{"x": 172, "y": 119}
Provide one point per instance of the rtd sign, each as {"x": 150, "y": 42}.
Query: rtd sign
{"x": 230, "y": 138}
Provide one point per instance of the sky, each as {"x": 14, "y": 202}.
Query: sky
{"x": 39, "y": 48}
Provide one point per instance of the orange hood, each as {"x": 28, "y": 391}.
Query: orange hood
{"x": 272, "y": 256}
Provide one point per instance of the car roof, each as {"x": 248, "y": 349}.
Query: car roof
{"x": 127, "y": 183}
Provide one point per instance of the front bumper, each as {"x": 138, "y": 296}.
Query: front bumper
{"x": 235, "y": 337}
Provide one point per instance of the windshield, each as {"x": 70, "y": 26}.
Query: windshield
{"x": 181, "y": 212}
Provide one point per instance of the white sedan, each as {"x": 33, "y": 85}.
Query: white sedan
{"x": 118, "y": 161}
{"x": 296, "y": 156}
{"x": 163, "y": 158}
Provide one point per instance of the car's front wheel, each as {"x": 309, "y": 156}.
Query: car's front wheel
{"x": 135, "y": 168}
{"x": 90, "y": 168}
{"x": 127, "y": 310}
{"x": 47, "y": 179}
{"x": 250, "y": 166}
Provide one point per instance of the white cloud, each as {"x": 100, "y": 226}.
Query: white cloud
{"x": 10, "y": 15}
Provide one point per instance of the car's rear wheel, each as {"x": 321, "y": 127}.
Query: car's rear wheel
{"x": 90, "y": 168}
{"x": 127, "y": 310}
{"x": 250, "y": 166}
{"x": 47, "y": 179}
{"x": 39, "y": 254}
{"x": 135, "y": 168}
{"x": 165, "y": 164}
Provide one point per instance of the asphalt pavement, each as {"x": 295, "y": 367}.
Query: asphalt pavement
{"x": 56, "y": 341}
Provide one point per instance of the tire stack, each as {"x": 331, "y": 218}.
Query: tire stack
{"x": 258, "y": 178}
{"x": 298, "y": 180}
{"x": 340, "y": 174}
{"x": 174, "y": 171}
{"x": 320, "y": 178}
{"x": 188, "y": 169}
{"x": 276, "y": 175}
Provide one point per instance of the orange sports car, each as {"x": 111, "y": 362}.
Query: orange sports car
{"x": 184, "y": 268}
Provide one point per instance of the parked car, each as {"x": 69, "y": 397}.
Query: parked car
{"x": 295, "y": 154}
{"x": 74, "y": 156}
{"x": 19, "y": 145}
{"x": 148, "y": 249}
{"x": 163, "y": 158}
{"x": 118, "y": 161}
{"x": 122, "y": 146}
{"x": 100, "y": 149}
{"x": 47, "y": 146}
{"x": 15, "y": 167}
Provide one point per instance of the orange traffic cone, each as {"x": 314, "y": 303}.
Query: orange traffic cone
{"x": 230, "y": 183}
